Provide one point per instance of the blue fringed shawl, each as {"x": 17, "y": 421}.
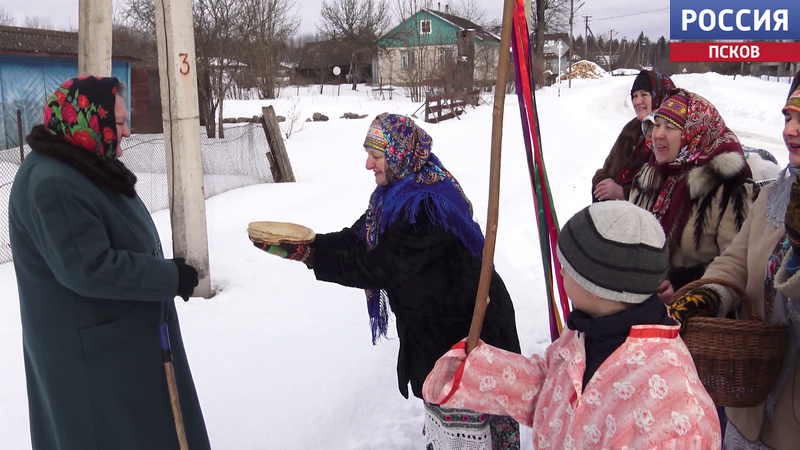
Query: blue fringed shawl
{"x": 417, "y": 183}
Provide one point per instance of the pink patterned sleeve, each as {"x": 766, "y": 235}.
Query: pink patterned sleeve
{"x": 490, "y": 380}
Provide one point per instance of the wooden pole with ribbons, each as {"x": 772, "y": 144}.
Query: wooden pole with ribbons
{"x": 482, "y": 298}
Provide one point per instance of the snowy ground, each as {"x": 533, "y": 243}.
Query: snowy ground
{"x": 282, "y": 361}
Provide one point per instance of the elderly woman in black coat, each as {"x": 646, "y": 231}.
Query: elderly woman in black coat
{"x": 418, "y": 249}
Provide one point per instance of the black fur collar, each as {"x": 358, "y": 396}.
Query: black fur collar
{"x": 102, "y": 172}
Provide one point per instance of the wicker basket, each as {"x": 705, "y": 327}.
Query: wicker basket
{"x": 738, "y": 360}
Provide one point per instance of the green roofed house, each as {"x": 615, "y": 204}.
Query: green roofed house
{"x": 437, "y": 50}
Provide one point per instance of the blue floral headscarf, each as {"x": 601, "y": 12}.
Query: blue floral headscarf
{"x": 417, "y": 182}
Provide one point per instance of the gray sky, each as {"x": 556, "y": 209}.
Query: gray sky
{"x": 64, "y": 13}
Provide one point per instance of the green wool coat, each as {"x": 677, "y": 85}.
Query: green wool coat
{"x": 93, "y": 288}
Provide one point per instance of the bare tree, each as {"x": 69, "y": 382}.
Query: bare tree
{"x": 549, "y": 16}
{"x": 470, "y": 10}
{"x": 268, "y": 27}
{"x": 219, "y": 52}
{"x": 403, "y": 9}
{"x": 293, "y": 122}
{"x": 139, "y": 14}
{"x": 357, "y": 24}
{"x": 138, "y": 38}
{"x": 218, "y": 48}
{"x": 6, "y": 18}
{"x": 41, "y": 22}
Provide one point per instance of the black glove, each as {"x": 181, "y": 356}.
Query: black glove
{"x": 294, "y": 252}
{"x": 187, "y": 278}
{"x": 698, "y": 302}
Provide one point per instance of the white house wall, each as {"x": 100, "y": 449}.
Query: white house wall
{"x": 387, "y": 68}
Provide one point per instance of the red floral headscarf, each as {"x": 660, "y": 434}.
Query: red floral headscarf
{"x": 81, "y": 111}
{"x": 704, "y": 137}
{"x": 660, "y": 88}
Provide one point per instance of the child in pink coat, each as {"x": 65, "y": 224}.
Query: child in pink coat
{"x": 620, "y": 376}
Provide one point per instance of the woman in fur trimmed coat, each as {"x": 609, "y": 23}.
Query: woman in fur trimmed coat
{"x": 697, "y": 183}
{"x": 763, "y": 260}
{"x": 94, "y": 287}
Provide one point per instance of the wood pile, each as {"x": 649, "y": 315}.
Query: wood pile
{"x": 584, "y": 69}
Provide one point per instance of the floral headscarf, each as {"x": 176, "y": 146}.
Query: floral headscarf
{"x": 81, "y": 111}
{"x": 660, "y": 88}
{"x": 782, "y": 187}
{"x": 417, "y": 182}
{"x": 704, "y": 137}
{"x": 793, "y": 100}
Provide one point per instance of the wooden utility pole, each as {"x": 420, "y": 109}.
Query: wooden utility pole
{"x": 94, "y": 37}
{"x": 176, "y": 68}
{"x": 569, "y": 54}
{"x": 610, "y": 55}
{"x": 572, "y": 12}
{"x": 586, "y": 39}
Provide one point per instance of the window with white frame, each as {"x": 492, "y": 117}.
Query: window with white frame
{"x": 406, "y": 59}
{"x": 424, "y": 27}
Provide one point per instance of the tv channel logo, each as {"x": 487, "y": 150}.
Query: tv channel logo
{"x": 719, "y": 22}
{"x": 734, "y": 19}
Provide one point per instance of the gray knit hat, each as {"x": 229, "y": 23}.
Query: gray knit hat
{"x": 615, "y": 250}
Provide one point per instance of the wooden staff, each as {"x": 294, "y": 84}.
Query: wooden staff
{"x": 482, "y": 298}
{"x": 172, "y": 386}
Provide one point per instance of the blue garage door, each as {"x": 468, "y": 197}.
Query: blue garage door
{"x": 25, "y": 84}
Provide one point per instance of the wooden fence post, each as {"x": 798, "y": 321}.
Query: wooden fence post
{"x": 19, "y": 132}
{"x": 275, "y": 140}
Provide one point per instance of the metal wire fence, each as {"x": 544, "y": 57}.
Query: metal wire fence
{"x": 232, "y": 162}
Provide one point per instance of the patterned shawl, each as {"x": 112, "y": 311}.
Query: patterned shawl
{"x": 777, "y": 307}
{"x": 705, "y": 136}
{"x": 417, "y": 182}
{"x": 81, "y": 111}
{"x": 660, "y": 88}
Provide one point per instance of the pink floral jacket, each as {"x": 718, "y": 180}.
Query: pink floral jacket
{"x": 646, "y": 395}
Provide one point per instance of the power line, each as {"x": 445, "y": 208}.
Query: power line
{"x": 634, "y": 14}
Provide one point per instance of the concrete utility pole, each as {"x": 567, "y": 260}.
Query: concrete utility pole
{"x": 176, "y": 68}
{"x": 94, "y": 37}
{"x": 528, "y": 16}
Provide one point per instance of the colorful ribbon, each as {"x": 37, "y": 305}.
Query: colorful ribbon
{"x": 546, "y": 219}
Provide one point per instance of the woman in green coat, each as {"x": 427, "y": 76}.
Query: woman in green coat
{"x": 94, "y": 287}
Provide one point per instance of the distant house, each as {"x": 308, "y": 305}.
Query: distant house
{"x": 554, "y": 45}
{"x": 318, "y": 59}
{"x": 33, "y": 63}
{"x": 425, "y": 44}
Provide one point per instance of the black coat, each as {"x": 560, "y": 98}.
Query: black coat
{"x": 431, "y": 280}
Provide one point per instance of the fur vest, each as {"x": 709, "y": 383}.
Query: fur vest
{"x": 720, "y": 196}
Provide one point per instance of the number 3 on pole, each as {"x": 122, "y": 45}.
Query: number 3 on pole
{"x": 184, "y": 64}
